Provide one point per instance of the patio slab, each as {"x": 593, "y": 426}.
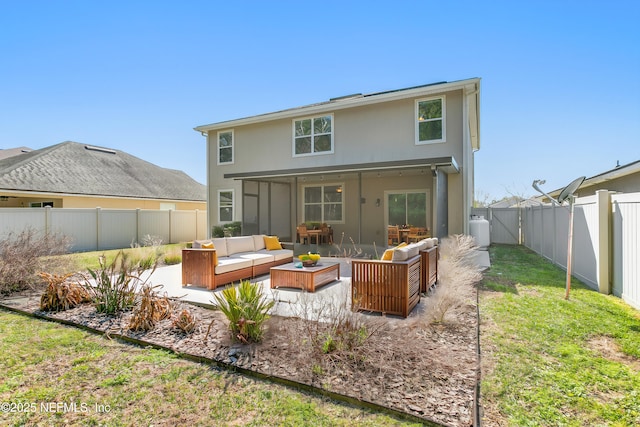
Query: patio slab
{"x": 290, "y": 302}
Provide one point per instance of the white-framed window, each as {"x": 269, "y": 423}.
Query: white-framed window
{"x": 225, "y": 147}
{"x": 323, "y": 203}
{"x": 313, "y": 135}
{"x": 431, "y": 120}
{"x": 225, "y": 205}
{"x": 40, "y": 204}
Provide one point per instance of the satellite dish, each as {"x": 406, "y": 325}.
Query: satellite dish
{"x": 570, "y": 189}
{"x": 565, "y": 194}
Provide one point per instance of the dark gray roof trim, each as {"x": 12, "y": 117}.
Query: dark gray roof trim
{"x": 448, "y": 164}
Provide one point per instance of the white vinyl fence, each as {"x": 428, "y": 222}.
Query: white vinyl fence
{"x": 606, "y": 238}
{"x": 98, "y": 229}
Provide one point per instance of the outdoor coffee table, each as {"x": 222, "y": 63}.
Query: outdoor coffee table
{"x": 305, "y": 278}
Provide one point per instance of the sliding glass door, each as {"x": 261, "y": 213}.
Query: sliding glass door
{"x": 407, "y": 208}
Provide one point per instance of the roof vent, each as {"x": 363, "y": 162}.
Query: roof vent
{"x": 342, "y": 98}
{"x": 99, "y": 149}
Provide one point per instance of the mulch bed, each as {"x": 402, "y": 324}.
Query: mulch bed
{"x": 428, "y": 371}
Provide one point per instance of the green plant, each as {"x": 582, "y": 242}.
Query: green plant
{"x": 150, "y": 308}
{"x": 24, "y": 254}
{"x": 246, "y": 308}
{"x": 217, "y": 231}
{"x": 185, "y": 321}
{"x": 60, "y": 294}
{"x": 172, "y": 258}
{"x": 227, "y": 230}
{"x": 115, "y": 284}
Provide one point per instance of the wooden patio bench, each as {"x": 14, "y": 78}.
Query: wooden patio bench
{"x": 387, "y": 287}
{"x": 429, "y": 268}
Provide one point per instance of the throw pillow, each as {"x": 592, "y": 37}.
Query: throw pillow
{"x": 388, "y": 254}
{"x": 272, "y": 243}
{"x": 215, "y": 254}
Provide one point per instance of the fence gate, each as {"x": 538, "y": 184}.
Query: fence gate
{"x": 505, "y": 225}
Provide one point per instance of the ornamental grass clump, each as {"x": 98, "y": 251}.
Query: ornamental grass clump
{"x": 115, "y": 284}
{"x": 61, "y": 294}
{"x": 458, "y": 273}
{"x": 246, "y": 308}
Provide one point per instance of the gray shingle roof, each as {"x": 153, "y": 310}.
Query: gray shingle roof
{"x": 5, "y": 153}
{"x": 74, "y": 168}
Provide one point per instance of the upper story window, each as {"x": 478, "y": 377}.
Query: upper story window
{"x": 313, "y": 135}
{"x": 430, "y": 120}
{"x": 225, "y": 147}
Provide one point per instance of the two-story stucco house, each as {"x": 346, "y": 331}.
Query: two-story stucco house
{"x": 357, "y": 163}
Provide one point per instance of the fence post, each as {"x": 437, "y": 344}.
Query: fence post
{"x": 47, "y": 220}
{"x": 98, "y": 227}
{"x": 138, "y": 237}
{"x": 603, "y": 203}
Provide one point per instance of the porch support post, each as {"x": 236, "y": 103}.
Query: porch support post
{"x": 359, "y": 207}
{"x": 294, "y": 229}
{"x": 603, "y": 203}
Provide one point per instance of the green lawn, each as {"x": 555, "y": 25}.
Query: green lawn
{"x": 47, "y": 368}
{"x": 549, "y": 361}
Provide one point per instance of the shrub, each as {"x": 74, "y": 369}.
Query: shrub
{"x": 150, "y": 309}
{"x": 172, "y": 257}
{"x": 24, "y": 254}
{"x": 246, "y": 308}
{"x": 185, "y": 321}
{"x": 115, "y": 284}
{"x": 60, "y": 294}
{"x": 227, "y": 230}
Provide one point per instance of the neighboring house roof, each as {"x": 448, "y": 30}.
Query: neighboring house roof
{"x": 356, "y": 100}
{"x": 11, "y": 152}
{"x": 617, "y": 172}
{"x": 514, "y": 201}
{"x": 74, "y": 168}
{"x": 610, "y": 175}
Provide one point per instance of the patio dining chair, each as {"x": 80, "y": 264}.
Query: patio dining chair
{"x": 325, "y": 234}
{"x": 393, "y": 235}
{"x": 417, "y": 233}
{"x": 303, "y": 235}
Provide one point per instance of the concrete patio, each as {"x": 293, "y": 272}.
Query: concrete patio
{"x": 290, "y": 302}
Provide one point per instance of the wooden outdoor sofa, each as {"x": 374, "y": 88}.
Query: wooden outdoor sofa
{"x": 393, "y": 286}
{"x": 216, "y": 262}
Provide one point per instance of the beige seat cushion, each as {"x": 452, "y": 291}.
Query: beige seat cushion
{"x": 256, "y": 258}
{"x": 227, "y": 264}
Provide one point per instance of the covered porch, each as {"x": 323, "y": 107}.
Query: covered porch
{"x": 356, "y": 201}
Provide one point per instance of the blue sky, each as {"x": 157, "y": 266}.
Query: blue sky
{"x": 560, "y": 79}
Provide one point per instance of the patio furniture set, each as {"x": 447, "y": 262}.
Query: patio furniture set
{"x": 391, "y": 285}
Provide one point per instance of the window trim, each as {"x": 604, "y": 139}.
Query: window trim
{"x": 233, "y": 204}
{"x": 312, "y": 153}
{"x": 443, "y": 118}
{"x": 233, "y": 147}
{"x": 322, "y": 202}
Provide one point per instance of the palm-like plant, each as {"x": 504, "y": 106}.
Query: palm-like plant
{"x": 246, "y": 308}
